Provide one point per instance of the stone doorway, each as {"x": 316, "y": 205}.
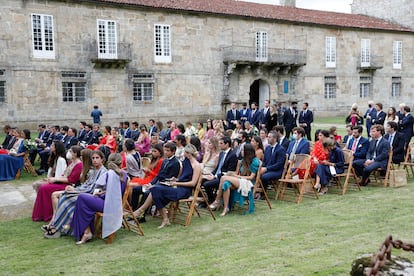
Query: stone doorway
{"x": 259, "y": 92}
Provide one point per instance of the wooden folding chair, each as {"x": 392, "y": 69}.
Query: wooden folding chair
{"x": 298, "y": 185}
{"x": 28, "y": 165}
{"x": 390, "y": 166}
{"x": 408, "y": 162}
{"x": 275, "y": 182}
{"x": 349, "y": 170}
{"x": 258, "y": 187}
{"x": 125, "y": 204}
{"x": 192, "y": 202}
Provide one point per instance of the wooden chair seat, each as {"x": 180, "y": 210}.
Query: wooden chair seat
{"x": 349, "y": 171}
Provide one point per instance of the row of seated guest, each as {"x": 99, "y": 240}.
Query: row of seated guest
{"x": 107, "y": 142}
{"x": 176, "y": 189}
{"x": 63, "y": 202}
{"x": 12, "y": 160}
{"x": 42, "y": 210}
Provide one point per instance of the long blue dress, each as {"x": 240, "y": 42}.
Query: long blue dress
{"x": 86, "y": 207}
{"x": 162, "y": 195}
{"x": 9, "y": 165}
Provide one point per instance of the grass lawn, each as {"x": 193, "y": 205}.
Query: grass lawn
{"x": 317, "y": 237}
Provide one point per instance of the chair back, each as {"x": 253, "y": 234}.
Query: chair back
{"x": 285, "y": 166}
{"x": 348, "y": 156}
{"x": 146, "y": 161}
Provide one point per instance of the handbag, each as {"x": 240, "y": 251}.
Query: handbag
{"x": 398, "y": 178}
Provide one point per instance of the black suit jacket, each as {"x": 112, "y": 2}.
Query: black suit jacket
{"x": 284, "y": 143}
{"x": 398, "y": 152}
{"x": 379, "y": 118}
{"x": 230, "y": 117}
{"x": 254, "y": 118}
{"x": 306, "y": 118}
{"x": 289, "y": 121}
{"x": 70, "y": 141}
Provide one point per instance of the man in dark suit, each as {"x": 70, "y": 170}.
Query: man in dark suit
{"x": 406, "y": 125}
{"x": 358, "y": 144}
{"x": 170, "y": 168}
{"x": 227, "y": 162}
{"x": 88, "y": 134}
{"x": 396, "y": 140}
{"x": 348, "y": 135}
{"x": 135, "y": 131}
{"x": 232, "y": 116}
{"x": 265, "y": 115}
{"x": 244, "y": 114}
{"x": 299, "y": 144}
{"x": 289, "y": 119}
{"x": 71, "y": 139}
{"x": 282, "y": 140}
{"x": 94, "y": 135}
{"x": 127, "y": 130}
{"x": 82, "y": 131}
{"x": 273, "y": 161}
{"x": 377, "y": 155}
{"x": 45, "y": 152}
{"x": 254, "y": 117}
{"x": 152, "y": 128}
{"x": 41, "y": 140}
{"x": 306, "y": 119}
{"x": 370, "y": 114}
{"x": 380, "y": 116}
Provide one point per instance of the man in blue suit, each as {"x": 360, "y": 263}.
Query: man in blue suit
{"x": 254, "y": 117}
{"x": 370, "y": 114}
{"x": 377, "y": 155}
{"x": 227, "y": 162}
{"x": 396, "y": 140}
{"x": 358, "y": 144}
{"x": 244, "y": 114}
{"x": 306, "y": 119}
{"x": 273, "y": 161}
{"x": 299, "y": 144}
{"x": 232, "y": 116}
{"x": 406, "y": 125}
{"x": 265, "y": 114}
{"x": 380, "y": 116}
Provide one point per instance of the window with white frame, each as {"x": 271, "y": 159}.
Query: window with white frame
{"x": 330, "y": 59}
{"x": 42, "y": 36}
{"x": 107, "y": 39}
{"x": 396, "y": 87}
{"x": 365, "y": 52}
{"x": 330, "y": 87}
{"x": 397, "y": 54}
{"x": 143, "y": 87}
{"x": 162, "y": 43}
{"x": 261, "y": 46}
{"x": 73, "y": 86}
{"x": 364, "y": 87}
{"x": 2, "y": 91}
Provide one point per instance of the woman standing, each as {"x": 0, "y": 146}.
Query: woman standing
{"x": 108, "y": 199}
{"x": 42, "y": 209}
{"x": 161, "y": 195}
{"x": 246, "y": 170}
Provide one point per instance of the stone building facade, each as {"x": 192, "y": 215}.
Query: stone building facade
{"x": 186, "y": 60}
{"x": 399, "y": 11}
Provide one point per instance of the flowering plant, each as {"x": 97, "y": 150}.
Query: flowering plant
{"x": 30, "y": 144}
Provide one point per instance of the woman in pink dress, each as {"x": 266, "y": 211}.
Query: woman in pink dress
{"x": 42, "y": 210}
{"x": 144, "y": 142}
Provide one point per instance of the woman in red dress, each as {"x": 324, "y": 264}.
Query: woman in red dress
{"x": 152, "y": 171}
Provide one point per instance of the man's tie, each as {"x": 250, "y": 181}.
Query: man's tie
{"x": 221, "y": 162}
{"x": 354, "y": 145}
{"x": 375, "y": 150}
{"x": 295, "y": 146}
{"x": 391, "y": 139}
{"x": 234, "y": 114}
{"x": 273, "y": 149}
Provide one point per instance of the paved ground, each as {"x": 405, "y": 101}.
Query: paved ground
{"x": 16, "y": 200}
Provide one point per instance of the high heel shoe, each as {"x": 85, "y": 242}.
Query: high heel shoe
{"x": 225, "y": 212}
{"x": 139, "y": 213}
{"x": 317, "y": 187}
{"x": 213, "y": 206}
{"x": 164, "y": 223}
{"x": 85, "y": 239}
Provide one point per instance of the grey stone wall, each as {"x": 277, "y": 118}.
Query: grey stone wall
{"x": 192, "y": 86}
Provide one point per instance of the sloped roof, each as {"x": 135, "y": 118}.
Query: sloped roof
{"x": 266, "y": 12}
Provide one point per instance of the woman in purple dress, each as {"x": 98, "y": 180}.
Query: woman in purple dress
{"x": 107, "y": 198}
{"x": 161, "y": 195}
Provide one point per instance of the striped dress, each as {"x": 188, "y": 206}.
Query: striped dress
{"x": 67, "y": 202}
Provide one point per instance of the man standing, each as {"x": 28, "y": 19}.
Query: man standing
{"x": 254, "y": 115}
{"x": 306, "y": 119}
{"x": 380, "y": 116}
{"x": 233, "y": 115}
{"x": 227, "y": 162}
{"x": 273, "y": 161}
{"x": 96, "y": 115}
{"x": 244, "y": 114}
{"x": 406, "y": 125}
{"x": 377, "y": 155}
{"x": 265, "y": 114}
{"x": 289, "y": 118}
{"x": 370, "y": 114}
